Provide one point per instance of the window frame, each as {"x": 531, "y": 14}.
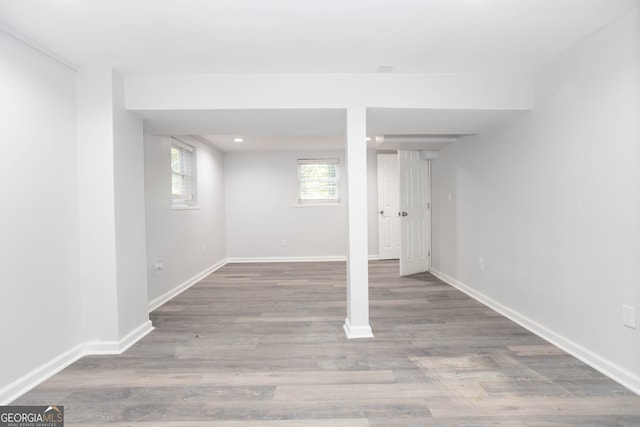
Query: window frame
{"x": 187, "y": 172}
{"x": 330, "y": 201}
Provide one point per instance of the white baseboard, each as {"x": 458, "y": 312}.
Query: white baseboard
{"x": 118, "y": 347}
{"x": 157, "y": 302}
{"x": 37, "y": 376}
{"x": 136, "y": 335}
{"x": 25, "y": 383}
{"x": 286, "y": 259}
{"x": 355, "y": 332}
{"x": 606, "y": 367}
{"x": 294, "y": 259}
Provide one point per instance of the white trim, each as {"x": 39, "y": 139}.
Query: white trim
{"x": 356, "y": 332}
{"x": 329, "y": 258}
{"x": 101, "y": 348}
{"x": 319, "y": 161}
{"x": 95, "y": 348}
{"x": 38, "y": 47}
{"x": 136, "y": 335}
{"x": 157, "y": 302}
{"x": 182, "y": 145}
{"x": 319, "y": 205}
{"x": 42, "y": 373}
{"x": 606, "y": 367}
{"x": 287, "y": 259}
{"x": 183, "y": 207}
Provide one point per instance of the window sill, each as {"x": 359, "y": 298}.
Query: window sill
{"x": 318, "y": 205}
{"x": 184, "y": 208}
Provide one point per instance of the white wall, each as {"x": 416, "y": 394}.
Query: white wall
{"x": 551, "y": 201}
{"x": 176, "y": 237}
{"x": 39, "y": 267}
{"x": 264, "y": 179}
{"x": 73, "y": 220}
{"x": 262, "y": 209}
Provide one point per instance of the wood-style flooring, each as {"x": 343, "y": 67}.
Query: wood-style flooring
{"x": 263, "y": 345}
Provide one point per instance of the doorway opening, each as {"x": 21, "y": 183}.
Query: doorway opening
{"x": 404, "y": 210}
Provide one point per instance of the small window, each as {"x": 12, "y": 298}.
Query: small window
{"x": 318, "y": 181}
{"x": 183, "y": 174}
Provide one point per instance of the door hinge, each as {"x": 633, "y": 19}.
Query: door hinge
{"x": 428, "y": 205}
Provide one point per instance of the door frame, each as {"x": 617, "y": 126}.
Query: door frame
{"x": 429, "y": 223}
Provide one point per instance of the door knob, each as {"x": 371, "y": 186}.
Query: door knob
{"x": 404, "y": 214}
{"x": 381, "y": 212}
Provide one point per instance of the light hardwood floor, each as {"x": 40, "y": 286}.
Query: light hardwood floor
{"x": 263, "y": 345}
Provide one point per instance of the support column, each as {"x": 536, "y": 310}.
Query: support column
{"x": 111, "y": 211}
{"x": 96, "y": 205}
{"x": 356, "y": 325}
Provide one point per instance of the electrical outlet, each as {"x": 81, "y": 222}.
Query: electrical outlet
{"x": 283, "y": 244}
{"x": 158, "y": 267}
{"x": 480, "y": 263}
{"x": 629, "y": 316}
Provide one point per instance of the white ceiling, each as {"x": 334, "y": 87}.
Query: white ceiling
{"x": 261, "y": 130}
{"x": 310, "y": 36}
{"x": 276, "y": 122}
{"x": 396, "y": 121}
{"x": 227, "y": 144}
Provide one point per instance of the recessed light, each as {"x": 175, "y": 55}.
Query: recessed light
{"x": 238, "y": 140}
{"x": 368, "y": 138}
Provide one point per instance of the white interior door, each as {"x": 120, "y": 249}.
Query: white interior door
{"x": 415, "y": 211}
{"x": 388, "y": 207}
